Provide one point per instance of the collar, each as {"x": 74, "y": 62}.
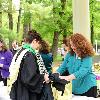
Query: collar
{"x": 28, "y": 46}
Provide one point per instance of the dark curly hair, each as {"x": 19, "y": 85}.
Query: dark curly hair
{"x": 32, "y": 34}
{"x": 45, "y": 48}
{"x": 83, "y": 47}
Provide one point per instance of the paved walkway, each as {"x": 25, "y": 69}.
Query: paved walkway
{"x": 96, "y": 59}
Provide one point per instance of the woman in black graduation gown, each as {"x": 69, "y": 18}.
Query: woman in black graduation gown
{"x": 29, "y": 81}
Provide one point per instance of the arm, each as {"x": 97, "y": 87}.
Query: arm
{"x": 63, "y": 66}
{"x": 8, "y": 59}
{"x": 29, "y": 76}
{"x": 85, "y": 68}
{"x": 68, "y": 78}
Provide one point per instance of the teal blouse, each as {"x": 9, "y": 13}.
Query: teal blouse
{"x": 82, "y": 70}
{"x": 47, "y": 59}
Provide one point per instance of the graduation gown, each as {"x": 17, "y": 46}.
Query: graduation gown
{"x": 29, "y": 83}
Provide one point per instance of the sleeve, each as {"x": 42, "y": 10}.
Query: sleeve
{"x": 48, "y": 63}
{"x": 29, "y": 75}
{"x": 85, "y": 68}
{"x": 8, "y": 59}
{"x": 63, "y": 66}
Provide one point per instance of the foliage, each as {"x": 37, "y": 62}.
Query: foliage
{"x": 5, "y": 6}
{"x": 45, "y": 2}
{"x": 43, "y": 19}
{"x": 10, "y": 35}
{"x": 95, "y": 16}
{"x": 45, "y": 22}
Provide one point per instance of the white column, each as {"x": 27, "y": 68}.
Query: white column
{"x": 81, "y": 17}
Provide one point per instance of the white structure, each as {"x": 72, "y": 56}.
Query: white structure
{"x": 81, "y": 17}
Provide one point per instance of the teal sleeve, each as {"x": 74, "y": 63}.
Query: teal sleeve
{"x": 85, "y": 68}
{"x": 63, "y": 67}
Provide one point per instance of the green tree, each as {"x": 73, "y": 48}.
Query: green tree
{"x": 0, "y": 13}
{"x": 19, "y": 17}
{"x": 10, "y": 16}
{"x": 52, "y": 17}
{"x": 95, "y": 23}
{"x": 27, "y": 16}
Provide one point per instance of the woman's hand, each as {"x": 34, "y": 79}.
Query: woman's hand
{"x": 68, "y": 78}
{"x": 1, "y": 65}
{"x": 46, "y": 78}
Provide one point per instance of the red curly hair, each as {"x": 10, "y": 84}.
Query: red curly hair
{"x": 83, "y": 47}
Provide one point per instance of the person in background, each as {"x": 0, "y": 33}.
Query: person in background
{"x": 66, "y": 45}
{"x": 67, "y": 48}
{"x": 79, "y": 64}
{"x": 5, "y": 61}
{"x": 22, "y": 42}
{"x": 46, "y": 55}
{"x": 30, "y": 78}
{"x": 14, "y": 47}
{"x": 62, "y": 52}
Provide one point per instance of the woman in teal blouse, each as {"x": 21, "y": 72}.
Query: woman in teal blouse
{"x": 79, "y": 64}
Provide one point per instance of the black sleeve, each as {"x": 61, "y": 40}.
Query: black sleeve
{"x": 29, "y": 75}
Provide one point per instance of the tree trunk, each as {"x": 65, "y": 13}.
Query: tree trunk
{"x": 10, "y": 17}
{"x": 25, "y": 30}
{"x": 92, "y": 29}
{"x": 62, "y": 13}
{"x": 18, "y": 24}
{"x": 0, "y": 19}
{"x": 55, "y": 44}
{"x": 10, "y": 21}
{"x": 30, "y": 26}
{"x": 92, "y": 4}
{"x": 27, "y": 23}
{"x": 56, "y": 34}
{"x": 10, "y": 27}
{"x": 0, "y": 13}
{"x": 63, "y": 4}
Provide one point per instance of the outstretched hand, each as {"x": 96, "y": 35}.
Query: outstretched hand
{"x": 46, "y": 78}
{"x": 68, "y": 78}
